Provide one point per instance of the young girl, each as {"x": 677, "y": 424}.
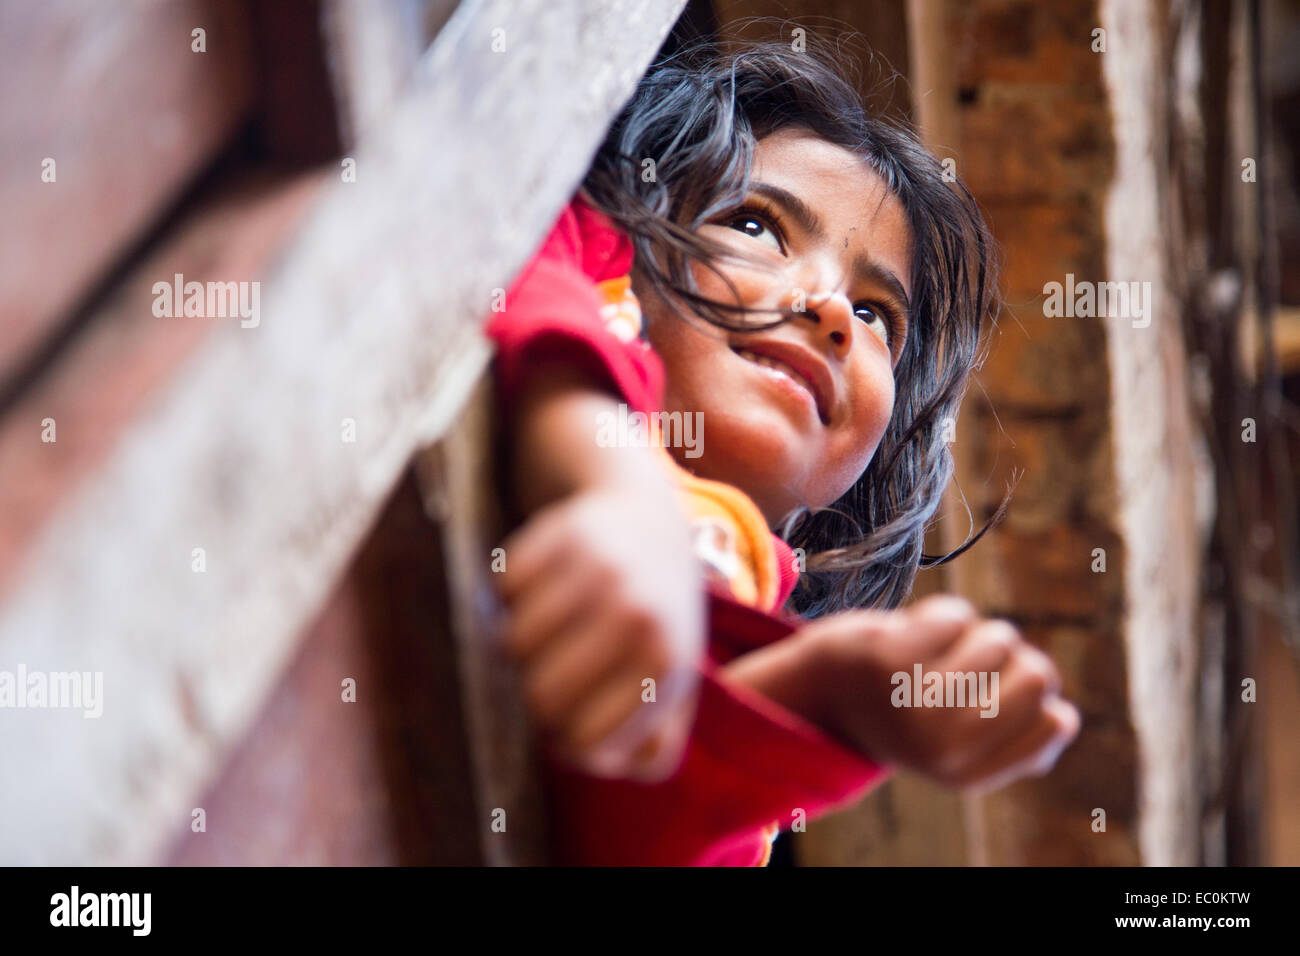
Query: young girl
{"x": 751, "y": 250}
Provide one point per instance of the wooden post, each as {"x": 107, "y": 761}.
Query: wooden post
{"x": 459, "y": 479}
{"x": 370, "y": 317}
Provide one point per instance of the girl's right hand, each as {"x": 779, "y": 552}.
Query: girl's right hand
{"x": 841, "y": 672}
{"x": 605, "y": 620}
{"x": 604, "y": 598}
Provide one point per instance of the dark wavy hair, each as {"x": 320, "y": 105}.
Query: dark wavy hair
{"x": 699, "y": 114}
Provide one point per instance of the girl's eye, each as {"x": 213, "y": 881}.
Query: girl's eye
{"x": 754, "y": 227}
{"x": 876, "y": 320}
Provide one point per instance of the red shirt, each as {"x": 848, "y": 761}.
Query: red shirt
{"x": 749, "y": 762}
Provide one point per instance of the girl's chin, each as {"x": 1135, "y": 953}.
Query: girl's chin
{"x": 769, "y": 471}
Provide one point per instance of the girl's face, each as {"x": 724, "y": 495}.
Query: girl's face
{"x": 792, "y": 415}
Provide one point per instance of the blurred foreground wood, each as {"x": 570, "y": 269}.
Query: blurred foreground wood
{"x": 229, "y": 528}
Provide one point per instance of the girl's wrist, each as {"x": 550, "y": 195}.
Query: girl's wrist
{"x": 555, "y": 448}
{"x": 805, "y": 674}
{"x": 791, "y": 672}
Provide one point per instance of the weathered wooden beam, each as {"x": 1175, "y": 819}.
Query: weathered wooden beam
{"x": 113, "y": 371}
{"x": 459, "y": 479}
{"x": 371, "y": 322}
{"x": 1162, "y": 472}
{"x": 379, "y": 777}
{"x": 94, "y": 147}
{"x": 373, "y": 50}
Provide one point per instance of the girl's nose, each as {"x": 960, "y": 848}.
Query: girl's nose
{"x": 830, "y": 314}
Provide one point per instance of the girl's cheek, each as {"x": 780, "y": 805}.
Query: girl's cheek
{"x": 872, "y": 403}
{"x": 712, "y": 286}
{"x": 759, "y": 287}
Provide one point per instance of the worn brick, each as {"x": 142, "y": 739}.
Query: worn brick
{"x": 1041, "y": 242}
{"x": 1061, "y": 466}
{"x": 1048, "y": 821}
{"x": 1043, "y": 575}
{"x": 1054, "y": 158}
{"x": 1092, "y": 665}
{"x": 1021, "y": 41}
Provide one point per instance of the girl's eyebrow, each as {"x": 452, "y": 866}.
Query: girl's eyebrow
{"x": 864, "y": 268}
{"x": 799, "y": 210}
{"x": 868, "y": 270}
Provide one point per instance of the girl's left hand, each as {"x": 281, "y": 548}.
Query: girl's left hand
{"x": 843, "y": 673}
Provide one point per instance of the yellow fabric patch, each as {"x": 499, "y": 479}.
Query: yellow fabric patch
{"x": 731, "y": 537}
{"x": 621, "y": 311}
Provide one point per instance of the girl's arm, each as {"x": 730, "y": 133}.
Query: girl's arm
{"x": 601, "y": 593}
{"x": 750, "y": 763}
{"x": 605, "y": 603}
{"x": 553, "y": 452}
{"x": 842, "y": 674}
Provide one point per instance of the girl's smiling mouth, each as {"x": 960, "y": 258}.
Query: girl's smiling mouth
{"x": 790, "y": 364}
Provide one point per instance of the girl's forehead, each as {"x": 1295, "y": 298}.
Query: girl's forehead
{"x": 795, "y": 154}
{"x": 850, "y": 203}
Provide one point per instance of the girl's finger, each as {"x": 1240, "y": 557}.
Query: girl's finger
{"x": 659, "y": 733}
{"x": 934, "y": 624}
{"x": 1015, "y": 706}
{"x": 615, "y": 703}
{"x": 629, "y": 754}
{"x": 570, "y": 664}
{"x": 541, "y": 544}
{"x": 661, "y": 755}
{"x": 555, "y": 602}
{"x": 656, "y": 759}
{"x": 1035, "y": 751}
{"x": 983, "y": 649}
